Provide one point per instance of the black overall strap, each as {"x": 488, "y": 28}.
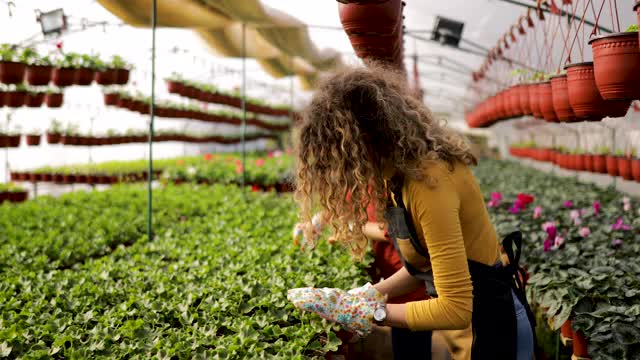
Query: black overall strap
{"x": 397, "y": 182}
{"x": 518, "y": 274}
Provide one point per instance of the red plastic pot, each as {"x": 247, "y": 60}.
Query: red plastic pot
{"x": 59, "y": 178}
{"x": 84, "y": 76}
{"x": 34, "y": 100}
{"x": 12, "y": 72}
{"x": 523, "y": 94}
{"x": 600, "y": 164}
{"x": 371, "y": 19}
{"x": 4, "y": 141}
{"x": 4, "y": 196}
{"x": 560, "y": 95}
{"x": 54, "y": 100}
{"x": 635, "y": 169}
{"x": 580, "y": 345}
{"x": 616, "y": 61}
{"x": 33, "y": 140}
{"x": 111, "y": 99}
{"x": 534, "y": 101}
{"x": 122, "y": 76}
{"x": 546, "y": 102}
{"x": 15, "y": 99}
{"x": 47, "y": 177}
{"x": 566, "y": 330}
{"x": 612, "y": 165}
{"x": 624, "y": 167}
{"x": 18, "y": 196}
{"x": 53, "y": 138}
{"x": 588, "y": 162}
{"x": 3, "y": 98}
{"x": 38, "y": 75}
{"x": 106, "y": 77}
{"x": 579, "y": 162}
{"x": 63, "y": 76}
{"x": 585, "y": 98}
{"x": 14, "y": 140}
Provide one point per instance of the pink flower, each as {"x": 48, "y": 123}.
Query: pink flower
{"x": 514, "y": 209}
{"x": 626, "y": 200}
{"x": 551, "y": 236}
{"x": 626, "y": 206}
{"x": 547, "y": 245}
{"x": 524, "y": 200}
{"x": 547, "y": 225}
{"x": 552, "y": 232}
{"x": 619, "y": 225}
{"x": 559, "y": 241}
{"x": 496, "y": 197}
{"x": 270, "y": 154}
{"x": 584, "y": 232}
{"x": 568, "y": 204}
{"x": 537, "y": 212}
{"x": 616, "y": 243}
{"x": 596, "y": 207}
{"x": 239, "y": 169}
{"x": 575, "y": 217}
{"x": 259, "y": 162}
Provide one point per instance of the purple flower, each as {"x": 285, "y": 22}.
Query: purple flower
{"x": 619, "y": 225}
{"x": 584, "y": 232}
{"x": 616, "y": 243}
{"x": 537, "y": 212}
{"x": 551, "y": 233}
{"x": 496, "y": 198}
{"x": 547, "y": 225}
{"x": 514, "y": 209}
{"x": 547, "y": 245}
{"x": 596, "y": 207}
{"x": 568, "y": 204}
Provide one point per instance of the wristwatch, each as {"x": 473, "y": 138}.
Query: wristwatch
{"x": 380, "y": 314}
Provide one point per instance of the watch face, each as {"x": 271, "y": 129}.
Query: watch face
{"x": 379, "y": 314}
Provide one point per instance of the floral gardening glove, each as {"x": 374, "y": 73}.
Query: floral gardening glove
{"x": 353, "y": 310}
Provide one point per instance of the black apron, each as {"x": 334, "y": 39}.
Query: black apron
{"x": 493, "y": 323}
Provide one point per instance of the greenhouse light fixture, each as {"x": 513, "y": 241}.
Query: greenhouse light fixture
{"x": 52, "y": 22}
{"x": 447, "y": 31}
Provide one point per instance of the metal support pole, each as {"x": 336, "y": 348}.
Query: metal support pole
{"x": 90, "y": 147}
{"x": 6, "y": 153}
{"x": 613, "y": 152}
{"x": 244, "y": 105}
{"x": 151, "y": 120}
{"x": 291, "y": 112}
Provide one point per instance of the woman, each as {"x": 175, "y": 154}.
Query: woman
{"x": 364, "y": 135}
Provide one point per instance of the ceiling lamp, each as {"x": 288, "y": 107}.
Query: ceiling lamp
{"x": 447, "y": 32}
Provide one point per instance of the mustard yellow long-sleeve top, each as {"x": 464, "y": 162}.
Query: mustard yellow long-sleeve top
{"x": 452, "y": 221}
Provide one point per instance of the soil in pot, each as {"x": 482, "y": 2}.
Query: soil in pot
{"x": 585, "y": 98}
{"x": 624, "y": 168}
{"x": 612, "y": 165}
{"x": 546, "y": 102}
{"x": 12, "y": 72}
{"x": 38, "y": 75}
{"x": 63, "y": 76}
{"x": 560, "y": 96}
{"x": 34, "y": 99}
{"x": 33, "y": 140}
{"x": 616, "y": 62}
{"x": 635, "y": 169}
{"x": 54, "y": 100}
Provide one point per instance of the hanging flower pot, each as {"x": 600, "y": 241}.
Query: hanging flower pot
{"x": 546, "y": 102}
{"x": 588, "y": 162}
{"x": 84, "y": 76}
{"x": 34, "y": 99}
{"x": 12, "y": 72}
{"x": 122, "y": 76}
{"x": 3, "y": 98}
{"x": 53, "y": 138}
{"x": 616, "y": 61}
{"x": 635, "y": 169}
{"x": 54, "y": 100}
{"x": 4, "y": 196}
{"x": 14, "y": 141}
{"x": 600, "y": 164}
{"x": 624, "y": 167}
{"x": 534, "y": 101}
{"x": 580, "y": 345}
{"x": 33, "y": 140}
{"x": 585, "y": 98}
{"x": 370, "y": 19}
{"x": 579, "y": 162}
{"x": 560, "y": 96}
{"x": 106, "y": 77}
{"x": 16, "y": 99}
{"x": 18, "y": 196}
{"x": 566, "y": 332}
{"x": 612, "y": 165}
{"x": 63, "y": 76}
{"x": 111, "y": 99}
{"x": 175, "y": 87}
{"x": 39, "y": 75}
{"x": 523, "y": 95}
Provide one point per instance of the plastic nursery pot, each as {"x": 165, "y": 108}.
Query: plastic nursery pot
{"x": 580, "y": 345}
{"x": 3, "y": 98}
{"x": 63, "y": 76}
{"x": 106, "y": 77}
{"x": 38, "y": 75}
{"x": 15, "y": 99}
{"x": 588, "y": 162}
{"x": 534, "y": 101}
{"x": 34, "y": 99}
{"x": 560, "y": 96}
{"x": 513, "y": 99}
{"x": 111, "y": 99}
{"x": 612, "y": 165}
{"x": 14, "y": 141}
{"x": 523, "y": 95}
{"x": 84, "y": 76}
{"x": 18, "y": 196}
{"x": 635, "y": 169}
{"x": 616, "y": 61}
{"x": 370, "y": 19}
{"x": 12, "y": 72}
{"x": 122, "y": 76}
{"x": 54, "y": 100}
{"x": 624, "y": 167}
{"x": 546, "y": 102}
{"x": 580, "y": 162}
{"x": 566, "y": 332}
{"x": 33, "y": 140}
{"x": 4, "y": 196}
{"x": 585, "y": 98}
{"x": 53, "y": 138}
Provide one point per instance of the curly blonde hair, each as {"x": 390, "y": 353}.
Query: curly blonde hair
{"x": 359, "y": 121}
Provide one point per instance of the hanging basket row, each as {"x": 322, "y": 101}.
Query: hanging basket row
{"x": 13, "y": 196}
{"x": 77, "y": 140}
{"x": 16, "y": 99}
{"x": 40, "y": 75}
{"x": 79, "y": 178}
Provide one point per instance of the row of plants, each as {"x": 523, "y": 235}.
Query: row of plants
{"x": 581, "y": 252}
{"x": 177, "y": 84}
{"x": 81, "y": 279}
{"x": 12, "y": 193}
{"x": 584, "y": 91}
{"x": 619, "y": 163}
{"x": 18, "y": 65}
{"x": 22, "y": 95}
{"x": 142, "y": 104}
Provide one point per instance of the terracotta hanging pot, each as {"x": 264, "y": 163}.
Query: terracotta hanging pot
{"x": 371, "y": 19}
{"x": 523, "y": 95}
{"x": 3, "y": 98}
{"x": 12, "y": 72}
{"x": 616, "y": 61}
{"x": 38, "y": 75}
{"x": 585, "y": 98}
{"x": 635, "y": 169}
{"x": 54, "y": 100}
{"x": 514, "y": 101}
{"x": 624, "y": 167}
{"x": 53, "y": 138}
{"x": 106, "y": 77}
{"x": 612, "y": 165}
{"x": 546, "y": 102}
{"x": 63, "y": 76}
{"x": 33, "y": 140}
{"x": 588, "y": 162}
{"x": 501, "y": 112}
{"x": 579, "y": 162}
{"x": 15, "y": 99}
{"x": 84, "y": 76}
{"x": 534, "y": 101}
{"x": 34, "y": 99}
{"x": 560, "y": 95}
{"x": 122, "y": 76}
{"x": 111, "y": 99}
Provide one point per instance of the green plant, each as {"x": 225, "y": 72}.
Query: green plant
{"x": 32, "y": 57}
{"x": 117, "y": 62}
{"x": 632, "y": 28}
{"x": 602, "y": 150}
{"x": 55, "y": 127}
{"x": 8, "y": 53}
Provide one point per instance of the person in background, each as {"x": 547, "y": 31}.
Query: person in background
{"x": 364, "y": 135}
